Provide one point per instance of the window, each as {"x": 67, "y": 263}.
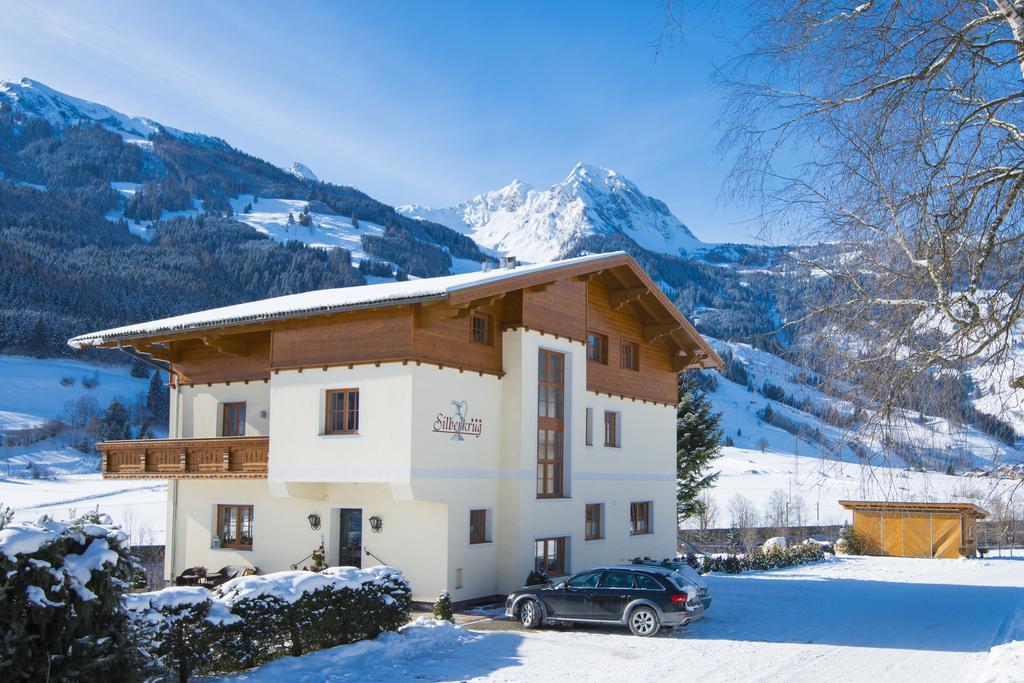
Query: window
{"x": 611, "y": 429}
{"x": 597, "y": 347}
{"x": 590, "y": 427}
{"x": 647, "y": 583}
{"x": 232, "y": 422}
{"x": 550, "y": 555}
{"x": 617, "y": 579}
{"x": 594, "y": 522}
{"x": 481, "y": 329}
{"x": 550, "y": 424}
{"x": 586, "y": 580}
{"x": 629, "y": 358}
{"x": 234, "y": 526}
{"x": 640, "y": 518}
{"x": 342, "y": 411}
{"x": 478, "y": 527}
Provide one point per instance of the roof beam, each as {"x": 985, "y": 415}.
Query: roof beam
{"x": 166, "y": 353}
{"x": 652, "y": 332}
{"x": 231, "y": 346}
{"x": 617, "y": 298}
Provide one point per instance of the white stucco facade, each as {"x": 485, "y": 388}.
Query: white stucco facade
{"x": 422, "y": 483}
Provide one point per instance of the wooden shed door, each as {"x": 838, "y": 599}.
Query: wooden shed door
{"x": 946, "y": 535}
{"x": 917, "y": 540}
{"x": 892, "y": 534}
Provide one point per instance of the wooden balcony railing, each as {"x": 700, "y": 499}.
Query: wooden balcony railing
{"x": 229, "y": 457}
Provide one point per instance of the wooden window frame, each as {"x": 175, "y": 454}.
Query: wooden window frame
{"x": 485, "y": 527}
{"x": 612, "y": 436}
{"x": 598, "y": 508}
{"x": 488, "y": 321}
{"x": 634, "y": 348}
{"x": 556, "y": 427}
{"x": 641, "y": 511}
{"x": 239, "y": 425}
{"x": 237, "y": 543}
{"x": 603, "y": 347}
{"x": 558, "y": 543}
{"x": 329, "y": 413}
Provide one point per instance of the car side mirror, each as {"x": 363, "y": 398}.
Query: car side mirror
{"x": 564, "y": 585}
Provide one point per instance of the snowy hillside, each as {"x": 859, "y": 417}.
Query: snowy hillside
{"x": 61, "y": 110}
{"x": 804, "y": 420}
{"x": 541, "y": 225}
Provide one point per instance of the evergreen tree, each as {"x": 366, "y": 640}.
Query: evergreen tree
{"x": 139, "y": 369}
{"x": 157, "y": 400}
{"x": 291, "y": 218}
{"x": 698, "y": 438}
{"x": 38, "y": 343}
{"x": 114, "y": 423}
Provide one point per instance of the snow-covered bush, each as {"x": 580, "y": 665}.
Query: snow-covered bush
{"x": 299, "y": 611}
{"x": 178, "y": 628}
{"x": 774, "y": 558}
{"x": 443, "y": 607}
{"x": 850, "y": 542}
{"x": 61, "y": 591}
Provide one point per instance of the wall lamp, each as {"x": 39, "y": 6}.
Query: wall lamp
{"x": 376, "y": 524}
{"x": 314, "y": 521}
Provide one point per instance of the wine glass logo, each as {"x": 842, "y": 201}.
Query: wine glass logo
{"x": 460, "y": 419}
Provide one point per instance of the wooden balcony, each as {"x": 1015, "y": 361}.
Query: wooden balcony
{"x": 230, "y": 457}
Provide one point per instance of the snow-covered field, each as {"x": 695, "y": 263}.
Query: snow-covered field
{"x": 820, "y": 483}
{"x": 852, "y": 618}
{"x": 31, "y": 393}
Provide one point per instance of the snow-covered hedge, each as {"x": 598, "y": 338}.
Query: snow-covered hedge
{"x": 61, "y": 586}
{"x": 253, "y": 619}
{"x": 775, "y": 557}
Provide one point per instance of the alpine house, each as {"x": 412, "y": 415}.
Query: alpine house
{"x": 466, "y": 429}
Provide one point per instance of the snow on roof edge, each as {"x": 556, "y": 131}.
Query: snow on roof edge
{"x": 323, "y": 301}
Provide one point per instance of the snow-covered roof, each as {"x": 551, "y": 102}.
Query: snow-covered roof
{"x": 324, "y": 301}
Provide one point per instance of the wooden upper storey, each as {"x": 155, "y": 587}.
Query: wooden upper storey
{"x": 608, "y": 296}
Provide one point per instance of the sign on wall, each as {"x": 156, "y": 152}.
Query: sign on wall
{"x": 457, "y": 423}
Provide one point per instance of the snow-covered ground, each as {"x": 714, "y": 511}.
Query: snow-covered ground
{"x": 859, "y": 619}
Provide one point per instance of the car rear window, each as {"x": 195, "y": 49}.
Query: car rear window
{"x": 649, "y": 583}
{"x": 678, "y": 581}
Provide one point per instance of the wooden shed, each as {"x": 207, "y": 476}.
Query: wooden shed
{"x": 947, "y": 530}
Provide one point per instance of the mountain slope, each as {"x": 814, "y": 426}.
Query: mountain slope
{"x": 541, "y": 225}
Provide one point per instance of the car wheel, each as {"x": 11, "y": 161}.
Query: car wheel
{"x": 529, "y": 614}
{"x": 644, "y": 621}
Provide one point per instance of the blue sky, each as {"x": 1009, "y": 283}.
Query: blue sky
{"x": 417, "y": 102}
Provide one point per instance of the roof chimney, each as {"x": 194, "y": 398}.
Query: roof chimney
{"x": 485, "y": 266}
{"x": 508, "y": 262}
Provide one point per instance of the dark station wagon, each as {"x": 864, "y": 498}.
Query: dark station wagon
{"x": 644, "y": 598}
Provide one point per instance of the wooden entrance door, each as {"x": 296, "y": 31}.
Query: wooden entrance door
{"x": 351, "y": 541}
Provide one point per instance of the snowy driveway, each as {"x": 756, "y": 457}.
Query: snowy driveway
{"x": 860, "y": 619}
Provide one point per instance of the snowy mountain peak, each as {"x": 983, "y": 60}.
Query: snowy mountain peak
{"x": 60, "y": 110}
{"x": 301, "y": 171}
{"x": 540, "y": 225}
